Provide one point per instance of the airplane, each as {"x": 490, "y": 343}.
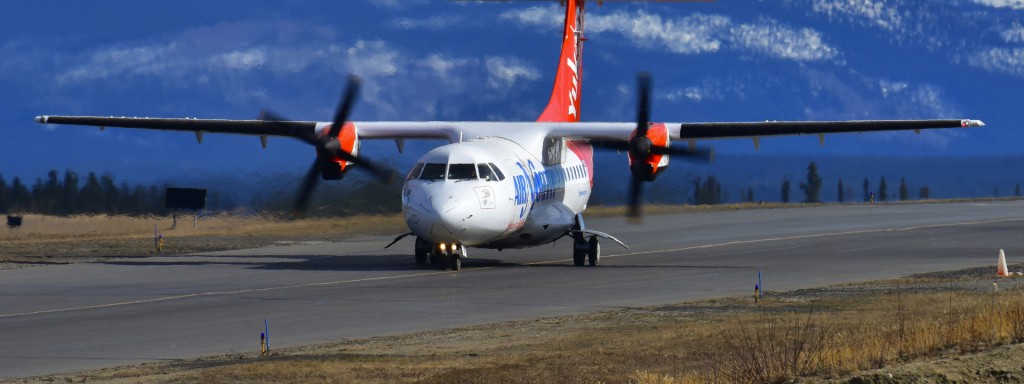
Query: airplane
{"x": 504, "y": 185}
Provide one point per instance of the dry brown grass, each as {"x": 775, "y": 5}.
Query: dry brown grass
{"x": 887, "y": 329}
{"x": 44, "y": 239}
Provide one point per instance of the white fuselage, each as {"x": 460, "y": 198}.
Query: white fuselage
{"x": 493, "y": 193}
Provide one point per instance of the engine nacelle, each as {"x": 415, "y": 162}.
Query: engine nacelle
{"x": 648, "y": 168}
{"x": 333, "y": 167}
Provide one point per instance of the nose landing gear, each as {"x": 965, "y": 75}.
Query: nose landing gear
{"x": 443, "y": 256}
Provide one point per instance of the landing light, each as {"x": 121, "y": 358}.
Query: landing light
{"x": 442, "y": 247}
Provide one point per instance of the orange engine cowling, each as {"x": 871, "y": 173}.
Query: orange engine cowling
{"x": 648, "y": 168}
{"x": 333, "y": 167}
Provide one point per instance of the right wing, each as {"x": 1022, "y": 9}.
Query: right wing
{"x": 690, "y": 131}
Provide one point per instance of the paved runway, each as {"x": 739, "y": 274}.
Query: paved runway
{"x": 72, "y": 317}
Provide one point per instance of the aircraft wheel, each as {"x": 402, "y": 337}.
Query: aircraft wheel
{"x": 440, "y": 260}
{"x": 422, "y": 250}
{"x": 579, "y": 253}
{"x": 455, "y": 262}
{"x": 594, "y": 252}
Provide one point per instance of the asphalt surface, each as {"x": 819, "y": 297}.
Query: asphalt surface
{"x": 65, "y": 318}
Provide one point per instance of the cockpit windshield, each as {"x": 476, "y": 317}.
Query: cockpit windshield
{"x": 433, "y": 171}
{"x": 485, "y": 172}
{"x": 462, "y": 172}
{"x": 438, "y": 171}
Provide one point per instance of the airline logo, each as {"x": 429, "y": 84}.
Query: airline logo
{"x": 564, "y": 105}
{"x": 571, "y": 62}
{"x": 533, "y": 186}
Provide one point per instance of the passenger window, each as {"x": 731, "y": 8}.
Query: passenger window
{"x": 485, "y": 172}
{"x": 501, "y": 176}
{"x": 462, "y": 172}
{"x": 433, "y": 171}
{"x": 415, "y": 172}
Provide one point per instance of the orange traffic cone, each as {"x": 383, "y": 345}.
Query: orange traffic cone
{"x": 1001, "y": 270}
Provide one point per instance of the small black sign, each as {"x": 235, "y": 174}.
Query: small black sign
{"x": 186, "y": 198}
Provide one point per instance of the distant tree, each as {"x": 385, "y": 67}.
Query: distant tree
{"x": 812, "y": 189}
{"x": 69, "y": 198}
{"x": 785, "y": 191}
{"x": 708, "y": 192}
{"x": 50, "y": 194}
{"x": 37, "y": 201}
{"x": 110, "y": 194}
{"x": 750, "y": 195}
{"x": 1016, "y": 190}
{"x": 904, "y": 191}
{"x": 20, "y": 196}
{"x": 925, "y": 193}
{"x": 4, "y": 195}
{"x": 91, "y": 196}
{"x": 883, "y": 190}
{"x": 840, "y": 191}
{"x": 867, "y": 190}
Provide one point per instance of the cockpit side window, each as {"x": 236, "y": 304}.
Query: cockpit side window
{"x": 486, "y": 173}
{"x": 415, "y": 172}
{"x": 434, "y": 171}
{"x": 462, "y": 172}
{"x": 501, "y": 176}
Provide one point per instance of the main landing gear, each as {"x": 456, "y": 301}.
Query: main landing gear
{"x": 444, "y": 256}
{"x": 584, "y": 250}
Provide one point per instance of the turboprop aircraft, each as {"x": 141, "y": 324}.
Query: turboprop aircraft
{"x": 506, "y": 184}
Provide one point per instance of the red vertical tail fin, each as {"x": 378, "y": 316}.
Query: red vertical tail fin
{"x": 564, "y": 105}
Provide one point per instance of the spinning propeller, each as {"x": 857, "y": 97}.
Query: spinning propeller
{"x": 328, "y": 146}
{"x": 640, "y": 148}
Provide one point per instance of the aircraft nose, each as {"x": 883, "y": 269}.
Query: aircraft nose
{"x": 447, "y": 216}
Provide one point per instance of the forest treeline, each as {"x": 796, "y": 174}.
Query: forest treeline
{"x": 69, "y": 194}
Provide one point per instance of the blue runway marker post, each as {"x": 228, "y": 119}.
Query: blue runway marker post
{"x": 265, "y": 338}
{"x": 761, "y": 287}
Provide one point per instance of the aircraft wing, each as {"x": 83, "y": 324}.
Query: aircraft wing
{"x": 779, "y": 128}
{"x": 456, "y": 130}
{"x": 728, "y": 130}
{"x": 368, "y": 130}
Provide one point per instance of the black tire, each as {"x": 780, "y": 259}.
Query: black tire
{"x": 455, "y": 262}
{"x": 579, "y": 253}
{"x": 440, "y": 260}
{"x": 594, "y": 252}
{"x": 422, "y": 251}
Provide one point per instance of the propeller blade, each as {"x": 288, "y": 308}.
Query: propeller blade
{"x": 305, "y": 135}
{"x": 614, "y": 145}
{"x": 308, "y": 184}
{"x": 702, "y": 155}
{"x": 348, "y": 99}
{"x": 635, "y": 196}
{"x": 383, "y": 173}
{"x": 643, "y": 110}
